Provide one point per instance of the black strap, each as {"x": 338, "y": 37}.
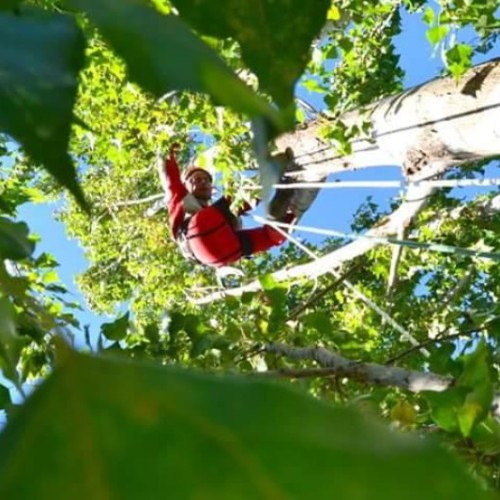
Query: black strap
{"x": 245, "y": 242}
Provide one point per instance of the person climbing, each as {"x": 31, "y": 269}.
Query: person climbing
{"x": 210, "y": 233}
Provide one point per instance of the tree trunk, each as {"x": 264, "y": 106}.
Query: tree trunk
{"x": 424, "y": 130}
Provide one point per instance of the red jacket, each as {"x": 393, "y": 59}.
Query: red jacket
{"x": 211, "y": 232}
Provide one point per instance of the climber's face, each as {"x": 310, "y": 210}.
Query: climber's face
{"x": 199, "y": 184}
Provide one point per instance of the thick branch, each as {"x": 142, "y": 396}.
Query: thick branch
{"x": 425, "y": 130}
{"x": 140, "y": 201}
{"x": 373, "y": 373}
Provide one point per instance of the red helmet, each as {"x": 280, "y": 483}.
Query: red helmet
{"x": 191, "y": 170}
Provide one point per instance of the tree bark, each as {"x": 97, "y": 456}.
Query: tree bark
{"x": 424, "y": 130}
{"x": 372, "y": 373}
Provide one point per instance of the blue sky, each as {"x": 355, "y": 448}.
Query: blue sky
{"x": 333, "y": 208}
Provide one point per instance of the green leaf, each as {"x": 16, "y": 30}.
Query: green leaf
{"x": 459, "y": 59}
{"x": 275, "y": 35}
{"x": 4, "y": 397}
{"x": 9, "y": 340}
{"x": 6, "y": 5}
{"x": 117, "y": 330}
{"x": 267, "y": 282}
{"x": 152, "y": 332}
{"x": 201, "y": 344}
{"x": 14, "y": 242}
{"x": 247, "y": 297}
{"x": 474, "y": 409}
{"x": 437, "y": 33}
{"x": 333, "y": 13}
{"x": 320, "y": 321}
{"x": 476, "y": 367}
{"x": 151, "y": 429}
{"x": 193, "y": 326}
{"x": 162, "y": 54}
{"x": 476, "y": 376}
{"x": 176, "y": 323}
{"x": 445, "y": 407}
{"x": 38, "y": 83}
{"x": 428, "y": 16}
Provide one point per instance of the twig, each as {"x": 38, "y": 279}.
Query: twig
{"x": 321, "y": 293}
{"x": 140, "y": 201}
{"x": 440, "y": 337}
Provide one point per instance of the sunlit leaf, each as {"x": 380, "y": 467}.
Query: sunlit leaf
{"x": 437, "y": 33}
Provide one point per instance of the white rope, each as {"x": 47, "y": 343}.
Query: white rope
{"x": 440, "y": 183}
{"x": 360, "y": 295}
{"x": 386, "y": 240}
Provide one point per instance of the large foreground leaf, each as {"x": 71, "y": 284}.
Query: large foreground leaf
{"x": 275, "y": 35}
{"x": 14, "y": 241}
{"x": 40, "y": 58}
{"x": 162, "y": 54}
{"x": 111, "y": 429}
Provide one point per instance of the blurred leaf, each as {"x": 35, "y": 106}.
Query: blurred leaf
{"x": 320, "y": 321}
{"x": 9, "y": 340}
{"x": 50, "y": 277}
{"x": 244, "y": 439}
{"x": 486, "y": 436}
{"x": 162, "y": 54}
{"x": 473, "y": 410}
{"x": 9, "y": 4}
{"x": 404, "y": 412}
{"x": 275, "y": 36}
{"x": 152, "y": 332}
{"x": 247, "y": 297}
{"x": 14, "y": 242}
{"x": 476, "y": 367}
{"x": 202, "y": 344}
{"x": 428, "y": 16}
{"x": 176, "y": 323}
{"x": 333, "y": 13}
{"x": 445, "y": 407}
{"x": 193, "y": 326}
{"x": 267, "y": 282}
{"x": 117, "y": 330}
{"x": 442, "y": 361}
{"x": 38, "y": 83}
{"x": 477, "y": 376}
{"x": 4, "y": 397}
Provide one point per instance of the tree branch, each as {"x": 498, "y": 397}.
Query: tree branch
{"x": 321, "y": 293}
{"x": 140, "y": 201}
{"x": 397, "y": 253}
{"x": 334, "y": 364}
